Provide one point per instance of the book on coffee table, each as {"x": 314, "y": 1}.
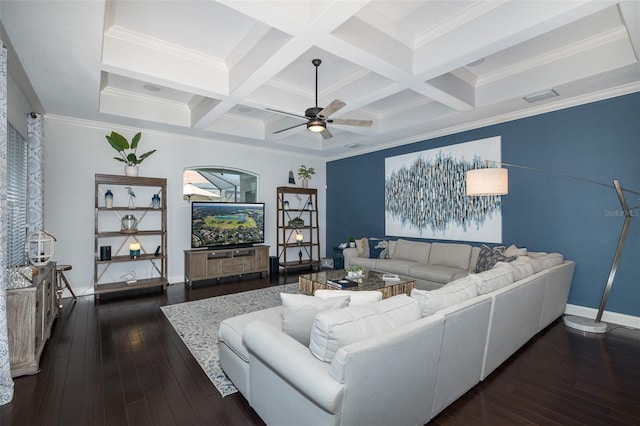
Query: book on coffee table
{"x": 342, "y": 283}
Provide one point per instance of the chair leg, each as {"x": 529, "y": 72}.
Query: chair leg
{"x": 68, "y": 286}
{"x": 59, "y": 289}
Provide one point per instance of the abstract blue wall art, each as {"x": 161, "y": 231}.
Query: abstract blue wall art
{"x": 425, "y": 194}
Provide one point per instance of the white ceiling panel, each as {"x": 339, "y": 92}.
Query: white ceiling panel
{"x": 415, "y": 69}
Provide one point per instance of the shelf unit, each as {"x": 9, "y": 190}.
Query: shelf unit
{"x": 302, "y": 203}
{"x": 107, "y": 228}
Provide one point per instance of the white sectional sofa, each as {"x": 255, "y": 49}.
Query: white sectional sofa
{"x": 399, "y": 367}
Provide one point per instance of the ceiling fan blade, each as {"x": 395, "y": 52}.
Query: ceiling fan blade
{"x": 331, "y": 108}
{"x": 350, "y": 122}
{"x": 289, "y": 128}
{"x": 326, "y": 134}
{"x": 287, "y": 113}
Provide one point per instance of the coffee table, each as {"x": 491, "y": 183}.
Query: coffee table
{"x": 372, "y": 280}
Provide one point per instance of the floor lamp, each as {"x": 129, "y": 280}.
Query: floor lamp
{"x": 495, "y": 181}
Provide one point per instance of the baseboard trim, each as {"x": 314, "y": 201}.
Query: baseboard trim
{"x": 611, "y": 317}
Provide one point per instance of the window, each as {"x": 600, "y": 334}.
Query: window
{"x": 219, "y": 184}
{"x": 16, "y": 197}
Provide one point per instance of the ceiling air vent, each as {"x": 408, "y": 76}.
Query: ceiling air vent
{"x": 540, "y": 96}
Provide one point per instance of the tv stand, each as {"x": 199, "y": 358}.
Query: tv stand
{"x": 206, "y": 264}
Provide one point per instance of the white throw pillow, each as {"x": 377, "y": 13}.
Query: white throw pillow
{"x": 333, "y": 330}
{"x": 455, "y": 292}
{"x": 357, "y": 297}
{"x": 512, "y": 250}
{"x": 299, "y": 311}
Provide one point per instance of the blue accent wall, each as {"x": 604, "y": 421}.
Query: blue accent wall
{"x": 598, "y": 141}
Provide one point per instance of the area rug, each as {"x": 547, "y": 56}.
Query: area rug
{"x": 197, "y": 324}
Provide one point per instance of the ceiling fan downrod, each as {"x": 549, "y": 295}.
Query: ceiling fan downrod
{"x": 316, "y": 63}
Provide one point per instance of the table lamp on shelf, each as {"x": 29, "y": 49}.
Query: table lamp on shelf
{"x": 299, "y": 239}
{"x": 134, "y": 250}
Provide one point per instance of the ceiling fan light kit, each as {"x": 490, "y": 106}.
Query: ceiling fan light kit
{"x": 317, "y": 118}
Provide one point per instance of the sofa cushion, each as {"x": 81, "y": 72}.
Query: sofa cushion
{"x": 365, "y": 262}
{"x": 493, "y": 279}
{"x": 231, "y": 329}
{"x": 333, "y": 330}
{"x": 356, "y": 297}
{"x": 412, "y": 250}
{"x": 436, "y": 273}
{"x": 448, "y": 254}
{"x": 395, "y": 266}
{"x": 522, "y": 267}
{"x": 455, "y": 292}
{"x": 488, "y": 257}
{"x": 475, "y": 252}
{"x": 299, "y": 311}
{"x": 547, "y": 260}
{"x": 512, "y": 250}
{"x": 378, "y": 249}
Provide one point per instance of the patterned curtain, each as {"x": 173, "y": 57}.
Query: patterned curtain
{"x": 35, "y": 179}
{"x": 6, "y": 383}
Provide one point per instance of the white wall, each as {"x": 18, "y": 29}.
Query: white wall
{"x": 76, "y": 150}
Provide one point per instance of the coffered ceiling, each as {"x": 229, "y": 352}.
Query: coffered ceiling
{"x": 417, "y": 69}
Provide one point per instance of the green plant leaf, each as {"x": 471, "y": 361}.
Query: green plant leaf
{"x": 117, "y": 141}
{"x": 132, "y": 159}
{"x": 145, "y": 155}
{"x": 119, "y": 159}
{"x": 135, "y": 140}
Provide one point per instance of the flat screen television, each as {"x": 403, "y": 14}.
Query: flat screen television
{"x": 226, "y": 225}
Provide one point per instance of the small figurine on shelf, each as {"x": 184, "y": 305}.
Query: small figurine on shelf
{"x": 300, "y": 256}
{"x": 132, "y": 195}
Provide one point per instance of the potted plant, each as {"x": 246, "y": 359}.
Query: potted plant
{"x": 352, "y": 242}
{"x": 355, "y": 271}
{"x": 304, "y": 174}
{"x": 296, "y": 222}
{"x": 130, "y": 159}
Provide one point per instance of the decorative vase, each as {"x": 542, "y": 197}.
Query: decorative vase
{"x": 305, "y": 183}
{"x": 131, "y": 170}
{"x": 155, "y": 201}
{"x": 108, "y": 199}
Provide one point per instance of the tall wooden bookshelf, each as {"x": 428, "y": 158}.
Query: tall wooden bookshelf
{"x": 151, "y": 233}
{"x": 298, "y": 203}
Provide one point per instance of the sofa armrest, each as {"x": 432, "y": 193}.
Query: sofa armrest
{"x": 294, "y": 363}
{"x": 349, "y": 253}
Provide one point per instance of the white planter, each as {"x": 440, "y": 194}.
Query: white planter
{"x": 305, "y": 183}
{"x": 131, "y": 170}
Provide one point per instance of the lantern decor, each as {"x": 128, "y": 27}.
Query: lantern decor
{"x": 40, "y": 247}
{"x": 299, "y": 239}
{"x": 134, "y": 250}
{"x": 129, "y": 223}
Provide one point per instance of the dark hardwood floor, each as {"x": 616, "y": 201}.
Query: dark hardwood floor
{"x": 119, "y": 362}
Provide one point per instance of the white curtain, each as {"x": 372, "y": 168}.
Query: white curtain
{"x": 35, "y": 166}
{"x": 6, "y": 383}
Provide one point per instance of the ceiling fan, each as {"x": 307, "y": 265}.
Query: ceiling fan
{"x": 317, "y": 118}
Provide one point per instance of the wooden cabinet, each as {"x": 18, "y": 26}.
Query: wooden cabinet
{"x": 31, "y": 312}
{"x": 150, "y": 266}
{"x": 205, "y": 264}
{"x": 298, "y": 233}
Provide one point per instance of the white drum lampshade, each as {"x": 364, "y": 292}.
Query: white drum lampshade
{"x": 488, "y": 181}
